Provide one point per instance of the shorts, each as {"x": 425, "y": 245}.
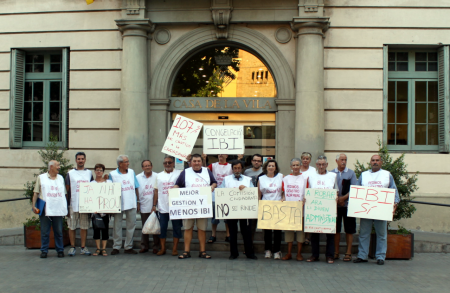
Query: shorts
{"x": 202, "y": 223}
{"x": 289, "y": 236}
{"x": 76, "y": 217}
{"x": 349, "y": 222}
{"x": 213, "y": 220}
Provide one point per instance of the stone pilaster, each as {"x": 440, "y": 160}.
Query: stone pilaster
{"x": 134, "y": 98}
{"x": 309, "y": 79}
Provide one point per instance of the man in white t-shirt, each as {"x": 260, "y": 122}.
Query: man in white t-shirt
{"x": 322, "y": 180}
{"x": 73, "y": 179}
{"x": 130, "y": 204}
{"x": 147, "y": 183}
{"x": 376, "y": 177}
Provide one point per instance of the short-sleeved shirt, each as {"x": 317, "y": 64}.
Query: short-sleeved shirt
{"x": 254, "y": 174}
{"x": 181, "y": 181}
{"x": 347, "y": 174}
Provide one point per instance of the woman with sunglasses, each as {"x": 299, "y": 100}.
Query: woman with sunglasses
{"x": 99, "y": 170}
{"x": 270, "y": 188}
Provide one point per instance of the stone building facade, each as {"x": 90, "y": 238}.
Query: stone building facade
{"x": 345, "y": 73}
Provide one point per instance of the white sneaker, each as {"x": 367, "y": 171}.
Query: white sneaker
{"x": 268, "y": 254}
{"x": 277, "y": 255}
{"x": 85, "y": 251}
{"x": 72, "y": 251}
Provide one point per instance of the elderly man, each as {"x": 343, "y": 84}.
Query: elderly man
{"x": 164, "y": 181}
{"x": 322, "y": 180}
{"x": 195, "y": 176}
{"x": 51, "y": 191}
{"x": 345, "y": 178}
{"x": 73, "y": 180}
{"x": 376, "y": 177}
{"x": 147, "y": 183}
{"x": 130, "y": 203}
{"x": 237, "y": 180}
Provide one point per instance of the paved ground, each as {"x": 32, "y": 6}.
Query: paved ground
{"x": 22, "y": 270}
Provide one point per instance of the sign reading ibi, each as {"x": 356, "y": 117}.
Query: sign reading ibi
{"x": 223, "y": 140}
{"x": 182, "y": 137}
{"x": 190, "y": 203}
{"x": 371, "y": 203}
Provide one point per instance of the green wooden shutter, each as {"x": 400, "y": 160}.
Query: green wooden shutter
{"x": 65, "y": 97}
{"x": 385, "y": 91}
{"x": 17, "y": 98}
{"x": 443, "y": 99}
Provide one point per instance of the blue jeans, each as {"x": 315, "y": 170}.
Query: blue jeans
{"x": 46, "y": 224}
{"x": 164, "y": 222}
{"x": 364, "y": 238}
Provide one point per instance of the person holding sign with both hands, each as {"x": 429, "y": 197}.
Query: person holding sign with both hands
{"x": 270, "y": 188}
{"x": 237, "y": 180}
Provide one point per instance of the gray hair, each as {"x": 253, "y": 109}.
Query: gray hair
{"x": 296, "y": 160}
{"x": 338, "y": 156}
{"x": 170, "y": 157}
{"x": 120, "y": 159}
{"x": 51, "y": 163}
{"x": 321, "y": 158}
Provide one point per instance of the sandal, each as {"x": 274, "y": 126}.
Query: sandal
{"x": 203, "y": 254}
{"x": 212, "y": 239}
{"x": 97, "y": 252}
{"x": 336, "y": 256}
{"x": 307, "y": 241}
{"x": 104, "y": 252}
{"x": 186, "y": 254}
{"x": 330, "y": 260}
{"x": 312, "y": 259}
{"x": 348, "y": 257}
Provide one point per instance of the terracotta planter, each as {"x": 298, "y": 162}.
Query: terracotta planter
{"x": 398, "y": 246}
{"x": 32, "y": 238}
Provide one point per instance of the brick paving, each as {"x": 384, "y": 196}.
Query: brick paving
{"x": 23, "y": 271}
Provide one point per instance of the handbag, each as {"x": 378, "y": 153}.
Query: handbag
{"x": 97, "y": 222}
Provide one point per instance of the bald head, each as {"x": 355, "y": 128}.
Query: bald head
{"x": 376, "y": 163}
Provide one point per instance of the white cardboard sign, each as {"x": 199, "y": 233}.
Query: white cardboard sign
{"x": 371, "y": 203}
{"x": 232, "y": 203}
{"x": 223, "y": 140}
{"x": 182, "y": 137}
{"x": 320, "y": 210}
{"x": 190, "y": 203}
{"x": 100, "y": 197}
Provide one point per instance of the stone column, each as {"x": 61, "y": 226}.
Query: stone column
{"x": 309, "y": 81}
{"x": 134, "y": 98}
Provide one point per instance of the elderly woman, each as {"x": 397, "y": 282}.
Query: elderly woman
{"x": 99, "y": 170}
{"x": 270, "y": 188}
{"x": 294, "y": 190}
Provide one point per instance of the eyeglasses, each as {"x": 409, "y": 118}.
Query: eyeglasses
{"x": 168, "y": 163}
{"x": 99, "y": 170}
{"x": 125, "y": 162}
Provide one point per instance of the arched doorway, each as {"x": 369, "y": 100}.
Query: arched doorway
{"x": 164, "y": 76}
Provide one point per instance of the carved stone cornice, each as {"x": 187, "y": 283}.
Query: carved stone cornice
{"x": 314, "y": 25}
{"x": 221, "y": 15}
{"x": 135, "y": 27}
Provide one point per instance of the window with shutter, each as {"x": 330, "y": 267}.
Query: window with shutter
{"x": 39, "y": 97}
{"x": 443, "y": 98}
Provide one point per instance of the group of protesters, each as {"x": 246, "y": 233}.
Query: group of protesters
{"x": 148, "y": 192}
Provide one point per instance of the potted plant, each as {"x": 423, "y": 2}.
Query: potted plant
{"x": 32, "y": 227}
{"x": 400, "y": 242}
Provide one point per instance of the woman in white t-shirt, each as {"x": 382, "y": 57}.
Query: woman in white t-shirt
{"x": 99, "y": 170}
{"x": 270, "y": 188}
{"x": 307, "y": 171}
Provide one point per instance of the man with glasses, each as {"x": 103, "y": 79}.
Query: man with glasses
{"x": 130, "y": 203}
{"x": 73, "y": 179}
{"x": 165, "y": 181}
{"x": 147, "y": 183}
{"x": 253, "y": 173}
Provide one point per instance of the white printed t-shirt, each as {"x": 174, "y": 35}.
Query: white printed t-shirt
{"x": 271, "y": 188}
{"x": 146, "y": 186}
{"x": 165, "y": 181}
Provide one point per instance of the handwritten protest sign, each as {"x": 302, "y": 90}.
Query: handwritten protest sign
{"x": 371, "y": 203}
{"x": 190, "y": 203}
{"x": 100, "y": 198}
{"x": 277, "y": 215}
{"x": 182, "y": 137}
{"x": 223, "y": 140}
{"x": 232, "y": 203}
{"x": 320, "y": 210}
